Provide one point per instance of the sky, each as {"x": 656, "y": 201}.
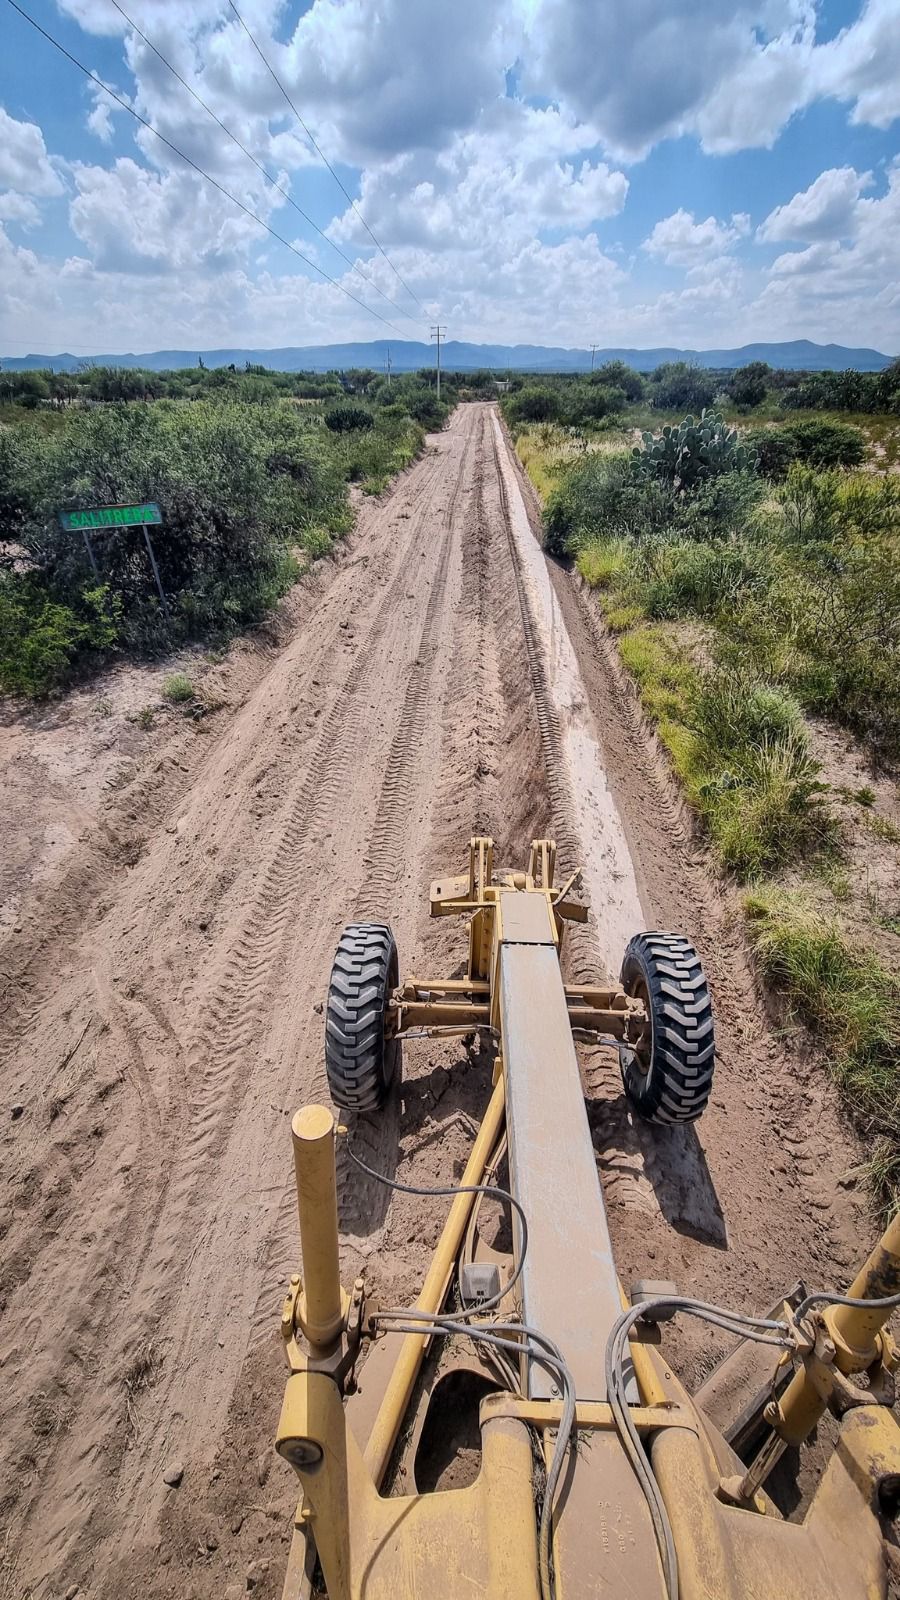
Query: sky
{"x": 698, "y": 173}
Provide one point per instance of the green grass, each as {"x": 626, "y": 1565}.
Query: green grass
{"x": 178, "y": 689}
{"x": 850, "y": 1001}
{"x": 603, "y": 562}
{"x": 665, "y": 678}
{"x": 739, "y": 748}
{"x": 881, "y": 827}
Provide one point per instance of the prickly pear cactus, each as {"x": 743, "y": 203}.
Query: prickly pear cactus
{"x": 684, "y": 455}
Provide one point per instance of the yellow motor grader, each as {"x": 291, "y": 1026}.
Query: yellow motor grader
{"x": 597, "y": 1473}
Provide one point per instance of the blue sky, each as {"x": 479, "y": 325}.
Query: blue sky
{"x": 557, "y": 171}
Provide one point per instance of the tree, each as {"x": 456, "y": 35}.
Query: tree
{"x": 616, "y": 375}
{"x": 535, "y": 405}
{"x": 679, "y": 386}
{"x": 27, "y": 389}
{"x": 345, "y": 417}
{"x": 749, "y": 384}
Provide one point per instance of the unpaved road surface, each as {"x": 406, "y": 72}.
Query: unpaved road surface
{"x": 162, "y": 1018}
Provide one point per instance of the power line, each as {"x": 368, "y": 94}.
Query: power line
{"x": 214, "y": 181}
{"x": 271, "y": 70}
{"x": 353, "y": 265}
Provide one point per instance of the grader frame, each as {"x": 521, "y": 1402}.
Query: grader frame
{"x": 342, "y": 1417}
{"x": 462, "y": 1005}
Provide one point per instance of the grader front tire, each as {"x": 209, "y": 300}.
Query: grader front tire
{"x": 360, "y": 1062}
{"x": 668, "y": 1075}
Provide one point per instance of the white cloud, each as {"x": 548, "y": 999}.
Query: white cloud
{"x": 853, "y": 286}
{"x": 100, "y": 119}
{"x": 398, "y": 76}
{"x": 815, "y": 258}
{"x": 863, "y": 65}
{"x": 828, "y": 209}
{"x": 18, "y": 208}
{"x": 750, "y": 105}
{"x": 132, "y": 219}
{"x": 729, "y": 70}
{"x": 24, "y": 162}
{"x": 520, "y": 172}
{"x": 682, "y": 242}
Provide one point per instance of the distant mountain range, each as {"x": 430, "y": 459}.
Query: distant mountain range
{"x": 407, "y": 355}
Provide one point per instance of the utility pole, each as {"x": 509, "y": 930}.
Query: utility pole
{"x": 593, "y": 348}
{"x": 387, "y": 366}
{"x": 438, "y": 333}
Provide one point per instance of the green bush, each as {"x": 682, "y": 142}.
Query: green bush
{"x": 616, "y": 375}
{"x": 753, "y": 776}
{"x": 815, "y": 442}
{"x": 749, "y": 385}
{"x": 852, "y": 1001}
{"x": 763, "y": 814}
{"x": 41, "y": 639}
{"x": 846, "y": 391}
{"x": 534, "y": 404}
{"x": 724, "y": 506}
{"x": 680, "y": 386}
{"x": 348, "y": 418}
{"x": 374, "y": 457}
{"x": 843, "y": 608}
{"x": 423, "y": 405}
{"x": 824, "y": 444}
{"x": 681, "y": 577}
{"x": 734, "y": 711}
{"x": 590, "y": 403}
{"x": 598, "y": 496}
{"x": 178, "y": 689}
{"x": 238, "y": 485}
{"x": 776, "y": 450}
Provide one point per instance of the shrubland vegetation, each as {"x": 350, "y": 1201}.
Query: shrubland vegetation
{"x": 747, "y": 561}
{"x": 251, "y": 471}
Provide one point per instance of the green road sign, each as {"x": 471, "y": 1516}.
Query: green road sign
{"x": 98, "y": 518}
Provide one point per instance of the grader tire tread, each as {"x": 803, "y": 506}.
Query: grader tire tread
{"x": 675, "y": 1084}
{"x": 359, "y": 1062}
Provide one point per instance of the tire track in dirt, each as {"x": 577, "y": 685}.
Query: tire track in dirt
{"x": 385, "y": 862}
{"x": 150, "y": 1265}
{"x": 373, "y": 899}
{"x": 225, "y": 1037}
{"x": 290, "y": 1051}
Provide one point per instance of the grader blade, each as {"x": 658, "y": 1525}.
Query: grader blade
{"x": 600, "y": 1475}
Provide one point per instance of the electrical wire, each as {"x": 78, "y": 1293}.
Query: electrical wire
{"x": 823, "y": 1298}
{"x": 522, "y": 1339}
{"x": 353, "y": 265}
{"x": 762, "y": 1330}
{"x": 273, "y": 74}
{"x": 57, "y": 45}
{"x": 444, "y": 1191}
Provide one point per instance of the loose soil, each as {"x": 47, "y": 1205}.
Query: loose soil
{"x": 162, "y": 986}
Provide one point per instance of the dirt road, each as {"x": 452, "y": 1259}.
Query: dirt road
{"x": 162, "y": 1019}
